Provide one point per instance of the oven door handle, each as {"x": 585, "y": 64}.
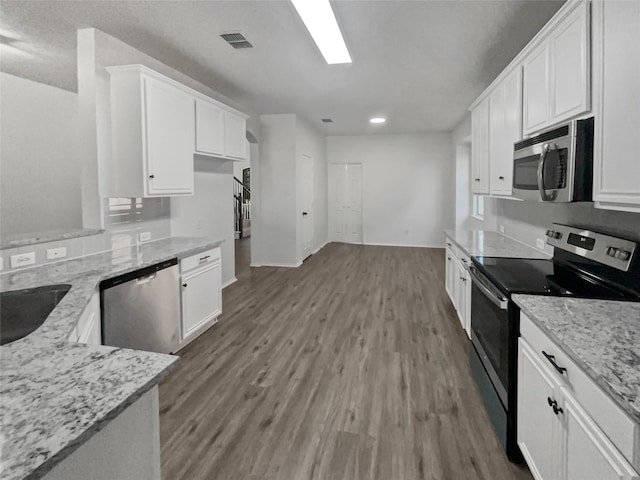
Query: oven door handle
{"x": 497, "y": 299}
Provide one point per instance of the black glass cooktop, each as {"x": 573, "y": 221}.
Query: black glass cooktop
{"x": 543, "y": 277}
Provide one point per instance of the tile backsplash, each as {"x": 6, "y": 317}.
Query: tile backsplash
{"x": 125, "y": 219}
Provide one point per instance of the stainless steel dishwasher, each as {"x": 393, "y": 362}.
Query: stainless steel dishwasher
{"x": 141, "y": 309}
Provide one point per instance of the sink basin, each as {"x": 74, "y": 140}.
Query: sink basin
{"x": 22, "y": 311}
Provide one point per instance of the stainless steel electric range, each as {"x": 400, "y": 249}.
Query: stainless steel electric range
{"x": 585, "y": 264}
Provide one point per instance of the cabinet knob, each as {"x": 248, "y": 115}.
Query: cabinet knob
{"x": 554, "y": 404}
{"x": 184, "y": 285}
{"x": 477, "y": 179}
{"x": 501, "y": 178}
{"x": 152, "y": 176}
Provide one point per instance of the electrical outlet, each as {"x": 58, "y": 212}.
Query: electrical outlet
{"x": 540, "y": 243}
{"x": 144, "y": 237}
{"x": 23, "y": 259}
{"x": 501, "y": 228}
{"x": 60, "y": 252}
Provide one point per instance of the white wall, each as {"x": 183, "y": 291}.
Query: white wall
{"x": 526, "y": 221}
{"x": 278, "y": 238}
{"x": 209, "y": 212}
{"x": 284, "y": 138}
{"x": 408, "y": 194}
{"x": 40, "y": 181}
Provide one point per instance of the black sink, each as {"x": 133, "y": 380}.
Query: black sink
{"x": 22, "y": 311}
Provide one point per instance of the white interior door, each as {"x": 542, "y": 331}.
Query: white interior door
{"x": 346, "y": 202}
{"x": 306, "y": 197}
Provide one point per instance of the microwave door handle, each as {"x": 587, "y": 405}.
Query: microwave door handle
{"x": 543, "y": 158}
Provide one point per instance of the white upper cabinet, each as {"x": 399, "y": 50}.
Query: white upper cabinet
{"x": 535, "y": 103}
{"x": 616, "y": 95}
{"x": 209, "y": 128}
{"x": 504, "y": 130}
{"x": 234, "y": 135}
{"x": 480, "y": 148}
{"x": 152, "y": 133}
{"x": 557, "y": 70}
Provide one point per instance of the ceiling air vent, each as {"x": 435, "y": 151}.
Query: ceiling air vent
{"x": 236, "y": 40}
{"x": 327, "y": 120}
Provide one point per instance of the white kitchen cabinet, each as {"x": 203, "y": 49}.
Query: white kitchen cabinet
{"x": 210, "y": 138}
{"x": 556, "y": 72}
{"x": 458, "y": 284}
{"x": 567, "y": 428}
{"x": 152, "y": 132}
{"x": 535, "y": 90}
{"x": 201, "y": 282}
{"x": 235, "y": 136}
{"x": 450, "y": 274}
{"x": 616, "y": 94}
{"x": 480, "y": 148}
{"x": 505, "y": 128}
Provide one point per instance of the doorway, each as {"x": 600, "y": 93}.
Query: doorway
{"x": 345, "y": 202}
{"x": 306, "y": 202}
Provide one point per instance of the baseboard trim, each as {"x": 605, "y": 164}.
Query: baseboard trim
{"x": 233, "y": 280}
{"x": 375, "y": 244}
{"x": 279, "y": 265}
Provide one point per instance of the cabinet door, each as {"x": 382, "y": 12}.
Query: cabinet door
{"x": 461, "y": 292}
{"x": 512, "y": 129}
{"x": 169, "y": 124}
{"x": 209, "y": 128}
{"x": 467, "y": 308}
{"x": 234, "y": 135}
{"x": 588, "y": 452}
{"x": 496, "y": 139}
{"x": 570, "y": 53}
{"x": 450, "y": 274}
{"x": 480, "y": 148}
{"x": 201, "y": 298}
{"x": 537, "y": 424}
{"x": 616, "y": 76}
{"x": 535, "y": 90}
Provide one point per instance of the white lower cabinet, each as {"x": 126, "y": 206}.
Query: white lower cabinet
{"x": 458, "y": 284}
{"x": 557, "y": 434}
{"x": 89, "y": 327}
{"x": 201, "y": 283}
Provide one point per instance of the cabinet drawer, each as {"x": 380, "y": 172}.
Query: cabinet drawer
{"x": 610, "y": 418}
{"x": 200, "y": 259}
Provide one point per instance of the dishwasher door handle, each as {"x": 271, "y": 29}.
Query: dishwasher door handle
{"x": 145, "y": 279}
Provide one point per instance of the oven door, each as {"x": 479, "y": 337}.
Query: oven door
{"x": 490, "y": 331}
{"x": 544, "y": 172}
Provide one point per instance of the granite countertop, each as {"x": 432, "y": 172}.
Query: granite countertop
{"x": 55, "y": 394}
{"x": 492, "y": 244}
{"x": 601, "y": 336}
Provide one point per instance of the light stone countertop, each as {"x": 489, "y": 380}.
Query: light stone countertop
{"x": 55, "y": 394}
{"x": 601, "y": 336}
{"x": 492, "y": 244}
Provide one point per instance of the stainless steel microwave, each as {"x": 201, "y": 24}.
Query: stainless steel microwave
{"x": 556, "y": 165}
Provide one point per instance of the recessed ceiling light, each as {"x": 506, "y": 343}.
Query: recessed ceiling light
{"x": 319, "y": 19}
{"x": 377, "y": 120}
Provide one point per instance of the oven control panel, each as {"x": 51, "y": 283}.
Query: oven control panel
{"x": 612, "y": 251}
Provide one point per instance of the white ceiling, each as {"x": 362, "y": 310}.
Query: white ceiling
{"x": 420, "y": 63}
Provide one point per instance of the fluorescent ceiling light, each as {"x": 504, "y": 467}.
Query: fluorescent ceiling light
{"x": 377, "y": 120}
{"x": 319, "y": 19}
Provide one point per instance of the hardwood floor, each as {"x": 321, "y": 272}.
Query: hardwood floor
{"x": 352, "y": 366}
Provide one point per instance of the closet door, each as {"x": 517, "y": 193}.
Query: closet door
{"x": 345, "y": 197}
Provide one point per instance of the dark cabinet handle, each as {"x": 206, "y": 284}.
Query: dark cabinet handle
{"x": 552, "y": 360}
{"x": 202, "y": 259}
{"x": 305, "y": 214}
{"x": 152, "y": 176}
{"x": 554, "y": 404}
{"x": 477, "y": 179}
{"x": 501, "y": 178}
{"x": 184, "y": 285}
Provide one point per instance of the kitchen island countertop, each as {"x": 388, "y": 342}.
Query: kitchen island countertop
{"x": 55, "y": 394}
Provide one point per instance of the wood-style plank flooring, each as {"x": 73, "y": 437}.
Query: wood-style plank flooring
{"x": 352, "y": 366}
